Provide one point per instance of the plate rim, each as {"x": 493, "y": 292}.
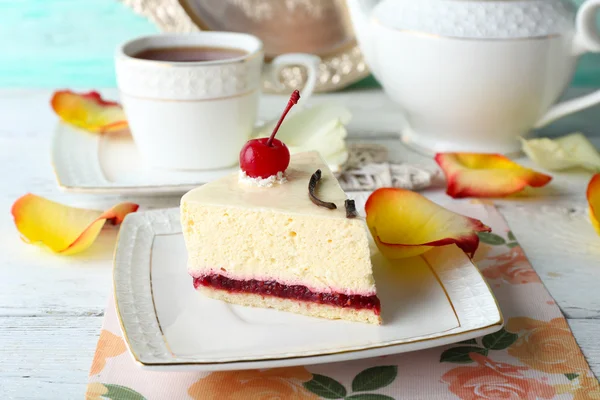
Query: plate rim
{"x": 169, "y": 220}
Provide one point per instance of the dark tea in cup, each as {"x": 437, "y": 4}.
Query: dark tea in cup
{"x": 189, "y": 53}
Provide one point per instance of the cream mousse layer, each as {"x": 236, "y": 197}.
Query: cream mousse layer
{"x": 246, "y": 232}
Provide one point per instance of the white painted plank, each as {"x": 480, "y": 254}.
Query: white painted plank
{"x": 564, "y": 250}
{"x": 46, "y": 357}
{"x": 587, "y": 334}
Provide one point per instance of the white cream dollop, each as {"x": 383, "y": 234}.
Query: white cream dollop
{"x": 278, "y": 179}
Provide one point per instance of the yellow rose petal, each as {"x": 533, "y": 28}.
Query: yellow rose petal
{"x": 569, "y": 151}
{"x": 89, "y": 111}
{"x": 406, "y": 224}
{"x": 593, "y": 197}
{"x": 486, "y": 175}
{"x": 62, "y": 229}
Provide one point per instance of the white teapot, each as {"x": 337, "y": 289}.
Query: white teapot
{"x": 475, "y": 75}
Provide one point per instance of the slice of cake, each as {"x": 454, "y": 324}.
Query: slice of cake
{"x": 280, "y": 234}
{"x": 272, "y": 246}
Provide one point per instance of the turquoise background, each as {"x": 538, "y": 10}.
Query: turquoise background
{"x": 70, "y": 43}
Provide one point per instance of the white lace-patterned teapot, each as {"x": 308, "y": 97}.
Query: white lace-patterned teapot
{"x": 475, "y": 75}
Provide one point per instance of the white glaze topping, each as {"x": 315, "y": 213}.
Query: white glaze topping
{"x": 291, "y": 197}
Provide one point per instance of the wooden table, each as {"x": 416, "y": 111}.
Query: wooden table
{"x": 51, "y": 307}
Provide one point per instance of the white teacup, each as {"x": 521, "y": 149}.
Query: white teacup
{"x": 197, "y": 115}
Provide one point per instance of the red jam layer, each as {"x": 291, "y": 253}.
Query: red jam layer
{"x": 296, "y": 292}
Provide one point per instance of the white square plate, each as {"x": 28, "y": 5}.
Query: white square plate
{"x": 433, "y": 300}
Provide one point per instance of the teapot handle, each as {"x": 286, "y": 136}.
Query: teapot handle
{"x": 587, "y": 39}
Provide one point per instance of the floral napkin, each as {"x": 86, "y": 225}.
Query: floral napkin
{"x": 534, "y": 357}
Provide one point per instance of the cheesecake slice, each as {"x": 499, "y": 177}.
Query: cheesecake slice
{"x": 266, "y": 244}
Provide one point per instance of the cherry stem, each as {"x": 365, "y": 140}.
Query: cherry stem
{"x": 293, "y": 100}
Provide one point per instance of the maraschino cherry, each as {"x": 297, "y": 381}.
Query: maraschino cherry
{"x": 264, "y": 157}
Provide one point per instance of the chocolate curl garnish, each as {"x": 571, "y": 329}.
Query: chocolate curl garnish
{"x": 312, "y": 185}
{"x": 350, "y": 209}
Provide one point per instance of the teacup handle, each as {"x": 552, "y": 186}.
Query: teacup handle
{"x": 310, "y": 61}
{"x": 587, "y": 39}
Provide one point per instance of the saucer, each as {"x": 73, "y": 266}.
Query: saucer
{"x": 110, "y": 163}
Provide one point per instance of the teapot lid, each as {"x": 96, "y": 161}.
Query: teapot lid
{"x": 478, "y": 19}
